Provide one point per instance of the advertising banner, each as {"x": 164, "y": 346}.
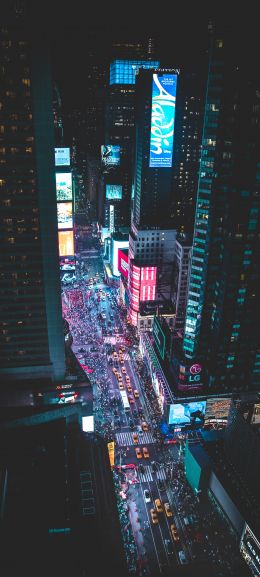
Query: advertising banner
{"x": 123, "y": 263}
{"x": 162, "y": 120}
{"x": 114, "y": 192}
{"x": 159, "y": 337}
{"x": 187, "y": 413}
{"x": 66, "y": 243}
{"x": 110, "y": 156}
{"x": 64, "y": 212}
{"x": 62, "y": 157}
{"x": 63, "y": 186}
{"x": 250, "y": 549}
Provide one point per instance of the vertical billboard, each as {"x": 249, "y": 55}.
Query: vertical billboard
{"x": 148, "y": 283}
{"x": 64, "y": 212}
{"x": 159, "y": 337}
{"x": 117, "y": 244}
{"x": 114, "y": 192}
{"x": 123, "y": 263}
{"x": 250, "y": 549}
{"x": 62, "y": 157}
{"x": 111, "y": 218}
{"x": 63, "y": 186}
{"x": 162, "y": 120}
{"x": 66, "y": 243}
{"x": 110, "y": 156}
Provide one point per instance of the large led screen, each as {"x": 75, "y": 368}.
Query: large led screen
{"x": 162, "y": 120}
{"x": 113, "y": 192}
{"x": 64, "y": 212}
{"x": 123, "y": 263}
{"x": 110, "y": 155}
{"x": 187, "y": 413}
{"x": 62, "y": 157}
{"x": 66, "y": 243}
{"x": 63, "y": 186}
{"x": 159, "y": 337}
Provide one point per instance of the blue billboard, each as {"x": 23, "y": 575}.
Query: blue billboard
{"x": 110, "y": 155}
{"x": 114, "y": 192}
{"x": 187, "y": 413}
{"x": 124, "y": 71}
{"x": 162, "y": 120}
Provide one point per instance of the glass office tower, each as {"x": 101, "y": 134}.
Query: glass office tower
{"x": 223, "y": 309}
{"x": 31, "y": 330}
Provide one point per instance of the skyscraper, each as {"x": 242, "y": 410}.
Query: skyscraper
{"x": 32, "y": 343}
{"x": 223, "y": 309}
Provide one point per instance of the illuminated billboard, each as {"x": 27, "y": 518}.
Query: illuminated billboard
{"x": 250, "y": 549}
{"x": 142, "y": 286}
{"x": 66, "y": 243}
{"x": 162, "y": 120}
{"x": 114, "y": 192}
{"x": 63, "y": 186}
{"x": 62, "y": 157}
{"x": 64, "y": 212}
{"x": 110, "y": 155}
{"x": 187, "y": 413}
{"x": 159, "y": 337}
{"x": 117, "y": 244}
{"x": 123, "y": 263}
{"x": 88, "y": 424}
{"x": 217, "y": 410}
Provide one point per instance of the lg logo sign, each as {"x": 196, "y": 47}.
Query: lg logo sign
{"x": 195, "y": 369}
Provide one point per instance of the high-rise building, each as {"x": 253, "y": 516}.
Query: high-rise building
{"x": 181, "y": 280}
{"x": 31, "y": 329}
{"x": 223, "y": 309}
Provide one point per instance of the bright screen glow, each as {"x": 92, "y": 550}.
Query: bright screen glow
{"x": 113, "y": 192}
{"x": 116, "y": 245}
{"x": 64, "y": 211}
{"x": 63, "y": 186}
{"x": 162, "y": 120}
{"x": 62, "y": 157}
{"x": 88, "y": 424}
{"x": 110, "y": 155}
{"x": 123, "y": 263}
{"x": 187, "y": 413}
{"x": 66, "y": 243}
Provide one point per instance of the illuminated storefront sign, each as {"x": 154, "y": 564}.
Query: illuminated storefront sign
{"x": 162, "y": 120}
{"x": 111, "y": 218}
{"x": 159, "y": 337}
{"x": 110, "y": 155}
{"x": 66, "y": 243}
{"x": 64, "y": 212}
{"x": 114, "y": 191}
{"x": 111, "y": 453}
{"x": 250, "y": 549}
{"x": 123, "y": 263}
{"x": 62, "y": 157}
{"x": 63, "y": 186}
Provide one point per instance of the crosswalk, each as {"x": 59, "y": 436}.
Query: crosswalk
{"x": 126, "y": 356}
{"x": 126, "y": 439}
{"x": 148, "y": 474}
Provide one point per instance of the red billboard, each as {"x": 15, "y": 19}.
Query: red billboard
{"x": 123, "y": 263}
{"x": 142, "y": 286}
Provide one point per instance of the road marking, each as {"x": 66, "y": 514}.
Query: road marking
{"x": 127, "y": 438}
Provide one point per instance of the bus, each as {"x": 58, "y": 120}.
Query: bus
{"x": 125, "y": 400}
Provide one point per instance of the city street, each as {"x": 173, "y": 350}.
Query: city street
{"x": 145, "y": 468}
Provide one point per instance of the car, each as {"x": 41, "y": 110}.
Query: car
{"x": 135, "y": 438}
{"x": 131, "y": 399}
{"x": 136, "y": 394}
{"x": 146, "y": 453}
{"x": 168, "y": 546}
{"x": 127, "y": 379}
{"x": 122, "y": 361}
{"x": 144, "y": 426}
{"x": 154, "y": 516}
{"x": 129, "y": 388}
{"x": 158, "y": 506}
{"x": 121, "y": 386}
{"x": 123, "y": 370}
{"x": 147, "y": 496}
{"x": 114, "y": 371}
{"x": 141, "y": 468}
{"x": 131, "y": 424}
{"x": 138, "y": 453}
{"x": 82, "y": 350}
{"x": 123, "y": 349}
{"x": 167, "y": 509}
{"x": 174, "y": 533}
{"x": 182, "y": 557}
{"x": 119, "y": 377}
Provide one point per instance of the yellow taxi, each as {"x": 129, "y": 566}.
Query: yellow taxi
{"x": 119, "y": 377}
{"x": 135, "y": 438}
{"x": 121, "y": 386}
{"x": 138, "y": 453}
{"x": 146, "y": 453}
{"x": 154, "y": 516}
{"x": 127, "y": 379}
{"x": 129, "y": 388}
{"x": 158, "y": 506}
{"x": 167, "y": 509}
{"x": 115, "y": 355}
